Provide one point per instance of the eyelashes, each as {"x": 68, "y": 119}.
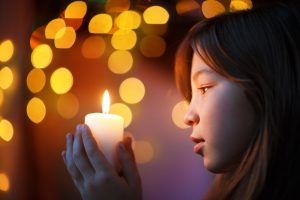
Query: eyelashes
{"x": 203, "y": 90}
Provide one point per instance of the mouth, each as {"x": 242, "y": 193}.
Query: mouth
{"x": 198, "y": 148}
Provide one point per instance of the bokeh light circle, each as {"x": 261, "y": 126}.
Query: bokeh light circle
{"x": 6, "y": 130}
{"x": 128, "y": 20}
{"x": 212, "y": 8}
{"x": 132, "y": 90}
{"x": 65, "y": 38}
{"x": 122, "y": 110}
{"x": 76, "y": 9}
{"x": 120, "y": 61}
{"x": 143, "y": 151}
{"x": 4, "y": 182}
{"x": 153, "y": 46}
{"x": 124, "y": 39}
{"x": 53, "y": 27}
{"x": 6, "y": 50}
{"x": 93, "y": 47}
{"x": 36, "y": 80}
{"x": 6, "y": 78}
{"x": 36, "y": 110}
{"x": 101, "y": 23}
{"x": 61, "y": 80}
{"x": 236, "y": 5}
{"x": 156, "y": 15}
{"x": 178, "y": 112}
{"x": 68, "y": 105}
{"x": 41, "y": 56}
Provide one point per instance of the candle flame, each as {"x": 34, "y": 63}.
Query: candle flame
{"x": 105, "y": 102}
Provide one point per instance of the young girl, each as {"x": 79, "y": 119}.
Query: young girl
{"x": 240, "y": 73}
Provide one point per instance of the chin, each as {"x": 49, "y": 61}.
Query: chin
{"x": 214, "y": 167}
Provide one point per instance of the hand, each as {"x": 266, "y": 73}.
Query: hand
{"x": 93, "y": 175}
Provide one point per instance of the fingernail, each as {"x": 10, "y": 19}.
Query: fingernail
{"x": 84, "y": 129}
{"x": 68, "y": 136}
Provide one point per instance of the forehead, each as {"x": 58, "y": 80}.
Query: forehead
{"x": 199, "y": 64}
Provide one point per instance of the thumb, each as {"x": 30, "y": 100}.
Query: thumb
{"x": 129, "y": 167}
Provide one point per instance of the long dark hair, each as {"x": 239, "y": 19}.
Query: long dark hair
{"x": 260, "y": 50}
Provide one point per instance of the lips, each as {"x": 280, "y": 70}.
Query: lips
{"x": 198, "y": 148}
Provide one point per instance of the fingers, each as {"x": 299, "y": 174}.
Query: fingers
{"x": 68, "y": 158}
{"x": 128, "y": 141}
{"x": 95, "y": 156}
{"x": 79, "y": 154}
{"x": 130, "y": 171}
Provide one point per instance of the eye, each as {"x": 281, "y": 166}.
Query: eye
{"x": 203, "y": 90}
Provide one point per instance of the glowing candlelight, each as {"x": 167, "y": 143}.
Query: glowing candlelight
{"x": 107, "y": 130}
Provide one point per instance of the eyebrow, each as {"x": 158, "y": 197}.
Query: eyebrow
{"x": 200, "y": 72}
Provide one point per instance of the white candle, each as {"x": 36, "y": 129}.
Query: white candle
{"x": 107, "y": 129}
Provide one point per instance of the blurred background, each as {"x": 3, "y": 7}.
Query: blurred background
{"x": 56, "y": 59}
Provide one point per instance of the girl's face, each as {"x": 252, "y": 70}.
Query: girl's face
{"x": 221, "y": 116}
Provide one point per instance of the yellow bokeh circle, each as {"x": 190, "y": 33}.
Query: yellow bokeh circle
{"x": 53, "y": 27}
{"x": 4, "y": 182}
{"x": 236, "y": 5}
{"x": 178, "y": 113}
{"x": 156, "y": 15}
{"x": 6, "y": 130}
{"x": 36, "y": 80}
{"x": 76, "y": 9}
{"x": 212, "y": 8}
{"x": 6, "y": 50}
{"x": 6, "y": 78}
{"x": 41, "y": 56}
{"x": 65, "y": 38}
{"x": 128, "y": 20}
{"x": 101, "y": 23}
{"x": 61, "y": 80}
{"x": 122, "y": 110}
{"x": 36, "y": 110}
{"x": 120, "y": 61}
{"x": 124, "y": 39}
{"x": 132, "y": 90}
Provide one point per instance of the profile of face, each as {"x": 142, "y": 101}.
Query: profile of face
{"x": 221, "y": 116}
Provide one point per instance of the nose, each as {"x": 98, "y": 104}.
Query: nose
{"x": 191, "y": 118}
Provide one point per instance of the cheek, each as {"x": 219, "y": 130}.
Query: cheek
{"x": 227, "y": 124}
